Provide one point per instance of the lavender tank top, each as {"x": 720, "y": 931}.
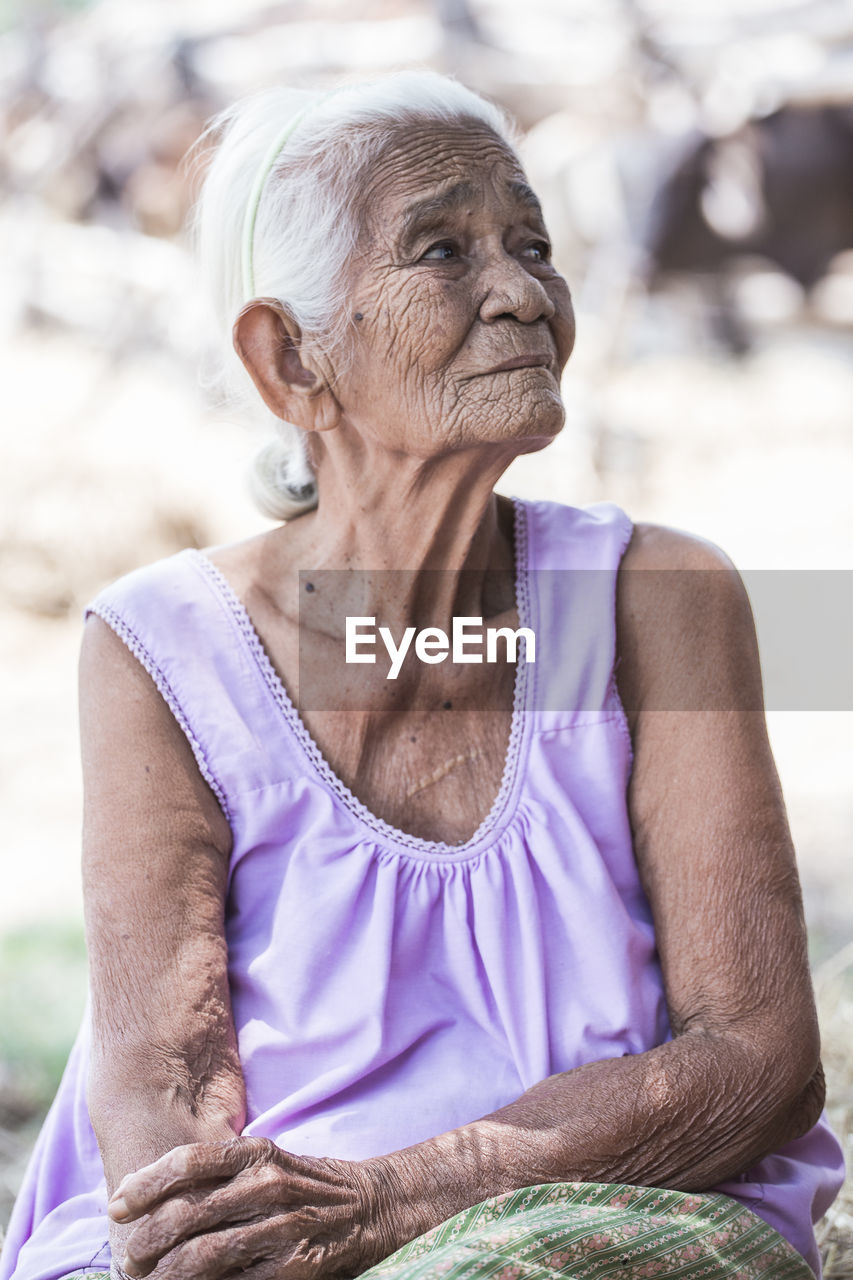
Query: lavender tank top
{"x": 385, "y": 987}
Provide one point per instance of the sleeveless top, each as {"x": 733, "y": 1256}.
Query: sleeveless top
{"x": 387, "y": 988}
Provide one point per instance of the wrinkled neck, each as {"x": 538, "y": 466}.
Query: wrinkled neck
{"x": 430, "y": 537}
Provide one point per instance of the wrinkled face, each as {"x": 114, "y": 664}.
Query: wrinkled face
{"x": 461, "y": 324}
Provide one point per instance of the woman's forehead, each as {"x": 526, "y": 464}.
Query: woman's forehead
{"x": 437, "y": 170}
{"x": 449, "y": 198}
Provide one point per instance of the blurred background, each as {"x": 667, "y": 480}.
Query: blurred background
{"x": 695, "y": 161}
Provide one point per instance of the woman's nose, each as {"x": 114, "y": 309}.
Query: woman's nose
{"x": 512, "y": 290}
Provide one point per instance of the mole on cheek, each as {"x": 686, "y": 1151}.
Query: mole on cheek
{"x": 358, "y": 316}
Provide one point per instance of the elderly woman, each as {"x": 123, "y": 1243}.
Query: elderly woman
{"x": 492, "y": 967}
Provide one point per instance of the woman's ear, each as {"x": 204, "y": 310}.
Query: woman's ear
{"x": 268, "y": 341}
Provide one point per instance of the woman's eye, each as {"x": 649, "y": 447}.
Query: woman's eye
{"x": 441, "y": 252}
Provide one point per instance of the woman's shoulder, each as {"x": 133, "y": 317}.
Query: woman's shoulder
{"x": 685, "y": 629}
{"x": 670, "y": 581}
{"x": 659, "y": 546}
{"x": 169, "y": 575}
{"x": 646, "y": 545}
{"x": 136, "y": 583}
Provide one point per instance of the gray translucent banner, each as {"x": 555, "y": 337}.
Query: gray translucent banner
{"x": 804, "y": 620}
{"x": 392, "y": 640}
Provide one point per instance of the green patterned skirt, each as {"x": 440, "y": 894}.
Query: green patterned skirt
{"x": 593, "y": 1231}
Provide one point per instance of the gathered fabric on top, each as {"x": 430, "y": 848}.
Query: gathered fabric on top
{"x": 386, "y": 988}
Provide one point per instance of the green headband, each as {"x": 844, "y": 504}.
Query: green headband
{"x": 257, "y": 189}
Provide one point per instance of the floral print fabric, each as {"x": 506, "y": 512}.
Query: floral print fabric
{"x": 593, "y": 1231}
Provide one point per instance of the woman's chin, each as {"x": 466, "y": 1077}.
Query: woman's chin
{"x": 537, "y": 428}
{"x": 530, "y": 421}
{"x": 522, "y": 424}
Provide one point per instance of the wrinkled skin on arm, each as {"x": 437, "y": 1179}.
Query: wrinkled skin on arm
{"x": 166, "y": 1090}
{"x": 164, "y": 1067}
{"x": 740, "y": 1078}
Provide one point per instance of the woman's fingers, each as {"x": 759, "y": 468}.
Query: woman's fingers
{"x": 242, "y": 1200}
{"x": 261, "y": 1192}
{"x": 184, "y": 1169}
{"x": 213, "y": 1209}
{"x": 276, "y": 1246}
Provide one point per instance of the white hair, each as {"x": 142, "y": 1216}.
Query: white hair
{"x": 306, "y": 223}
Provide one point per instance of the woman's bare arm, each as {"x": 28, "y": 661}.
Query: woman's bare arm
{"x": 164, "y": 1067}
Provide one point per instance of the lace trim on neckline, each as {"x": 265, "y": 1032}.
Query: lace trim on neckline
{"x": 501, "y": 813}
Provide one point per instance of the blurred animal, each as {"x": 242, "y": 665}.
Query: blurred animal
{"x": 780, "y": 188}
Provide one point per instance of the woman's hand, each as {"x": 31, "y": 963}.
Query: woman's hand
{"x": 246, "y": 1204}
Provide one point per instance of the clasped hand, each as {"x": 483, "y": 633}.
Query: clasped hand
{"x": 246, "y": 1205}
